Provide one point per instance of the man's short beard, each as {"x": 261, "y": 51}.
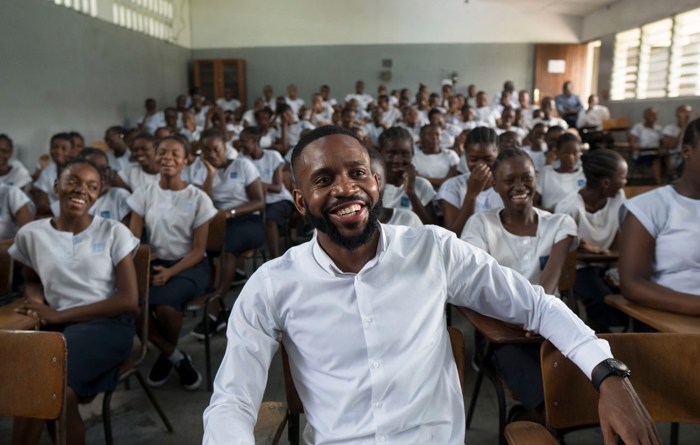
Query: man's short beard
{"x": 351, "y": 243}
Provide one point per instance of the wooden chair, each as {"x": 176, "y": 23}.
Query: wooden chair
{"x": 142, "y": 263}
{"x": 663, "y": 375}
{"x": 496, "y": 332}
{"x": 33, "y": 376}
{"x": 272, "y": 416}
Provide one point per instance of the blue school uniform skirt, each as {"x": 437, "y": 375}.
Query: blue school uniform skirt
{"x": 181, "y": 288}
{"x": 96, "y": 350}
{"x": 244, "y": 233}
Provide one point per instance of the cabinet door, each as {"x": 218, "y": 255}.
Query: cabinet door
{"x": 233, "y": 74}
{"x": 205, "y": 78}
{"x": 213, "y": 76}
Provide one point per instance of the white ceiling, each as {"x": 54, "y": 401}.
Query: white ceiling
{"x": 578, "y": 8}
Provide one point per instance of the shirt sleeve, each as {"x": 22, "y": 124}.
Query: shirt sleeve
{"x": 453, "y": 157}
{"x": 20, "y": 249}
{"x": 137, "y": 201}
{"x": 424, "y": 190}
{"x": 566, "y": 227}
{"x": 474, "y": 232}
{"x": 250, "y": 172}
{"x": 122, "y": 204}
{"x": 19, "y": 199}
{"x": 205, "y": 209}
{"x": 240, "y": 383}
{"x": 477, "y": 281}
{"x": 636, "y": 130}
{"x": 42, "y": 183}
{"x": 640, "y": 207}
{"x": 123, "y": 242}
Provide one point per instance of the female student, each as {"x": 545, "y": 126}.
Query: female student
{"x": 530, "y": 241}
{"x": 112, "y": 203}
{"x": 145, "y": 170}
{"x": 16, "y": 210}
{"x": 44, "y": 192}
{"x": 235, "y": 188}
{"x": 80, "y": 280}
{"x": 390, "y": 215}
{"x": 554, "y": 183}
{"x": 471, "y": 192}
{"x": 404, "y": 189}
{"x": 176, "y": 216}
{"x": 659, "y": 252}
{"x": 12, "y": 172}
{"x": 595, "y": 209}
{"x": 433, "y": 162}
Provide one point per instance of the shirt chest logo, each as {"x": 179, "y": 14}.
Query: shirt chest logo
{"x": 233, "y": 175}
{"x": 98, "y": 247}
{"x": 405, "y": 202}
{"x": 105, "y": 214}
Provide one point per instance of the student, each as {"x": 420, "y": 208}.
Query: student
{"x": 115, "y": 138}
{"x": 672, "y": 140}
{"x": 389, "y": 114}
{"x": 506, "y": 122}
{"x": 268, "y": 99}
{"x": 647, "y": 134}
{"x": 44, "y": 191}
{"x": 288, "y": 131}
{"x": 448, "y": 132}
{"x": 432, "y": 161}
{"x": 12, "y": 172}
{"x": 293, "y": 101}
{"x": 270, "y": 137}
{"x": 80, "y": 281}
{"x": 278, "y": 200}
{"x": 546, "y": 114}
{"x": 228, "y": 102}
{"x": 530, "y": 241}
{"x": 172, "y": 120}
{"x": 16, "y": 210}
{"x": 390, "y": 215}
{"x": 659, "y": 265}
{"x": 375, "y": 128}
{"x": 593, "y": 116}
{"x": 235, "y": 189}
{"x": 319, "y": 114}
{"x": 595, "y": 208}
{"x": 404, "y": 188}
{"x": 535, "y": 144}
{"x": 471, "y": 192}
{"x": 363, "y": 100}
{"x": 555, "y": 183}
{"x": 412, "y": 123}
{"x": 483, "y": 112}
{"x": 146, "y": 169}
{"x": 371, "y": 351}
{"x": 328, "y": 101}
{"x": 176, "y": 216}
{"x": 112, "y": 202}
{"x": 249, "y": 116}
{"x": 152, "y": 119}
{"x": 526, "y": 109}
{"x": 78, "y": 144}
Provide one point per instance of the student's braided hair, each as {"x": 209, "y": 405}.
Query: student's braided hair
{"x": 566, "y": 138}
{"x": 254, "y": 131}
{"x": 394, "y": 134}
{"x": 212, "y": 133}
{"x": 600, "y": 164}
{"x": 481, "y": 135}
{"x": 180, "y": 139}
{"x": 511, "y": 153}
{"x": 92, "y": 151}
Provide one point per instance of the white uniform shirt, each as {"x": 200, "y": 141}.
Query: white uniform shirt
{"x": 593, "y": 117}
{"x": 171, "y": 216}
{"x": 526, "y": 255}
{"x": 153, "y": 122}
{"x": 195, "y": 173}
{"x": 135, "y": 177}
{"x": 269, "y": 138}
{"x": 362, "y": 100}
{"x": 111, "y": 205}
{"x": 229, "y": 185}
{"x": 672, "y": 220}
{"x": 554, "y": 186}
{"x": 599, "y": 228}
{"x": 12, "y": 198}
{"x": 249, "y": 118}
{"x": 397, "y": 198}
{"x": 75, "y": 270}
{"x": 454, "y": 190}
{"x": 119, "y": 163}
{"x": 415, "y": 131}
{"x": 266, "y": 166}
{"x": 404, "y": 217}
{"x": 436, "y": 165}
{"x": 18, "y": 175}
{"x": 391, "y": 116}
{"x": 228, "y": 105}
{"x": 294, "y": 132}
{"x": 484, "y": 116}
{"x": 647, "y": 137}
{"x": 46, "y": 181}
{"x": 373, "y": 132}
{"x": 673, "y": 131}
{"x": 295, "y": 105}
{"x": 371, "y": 358}
{"x": 539, "y": 158}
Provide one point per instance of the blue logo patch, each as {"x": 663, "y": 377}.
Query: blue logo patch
{"x": 405, "y": 202}
{"x": 581, "y": 182}
{"x": 98, "y": 247}
{"x": 233, "y": 175}
{"x": 105, "y": 214}
{"x": 543, "y": 261}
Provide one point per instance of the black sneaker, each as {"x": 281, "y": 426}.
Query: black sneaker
{"x": 189, "y": 377}
{"x": 160, "y": 371}
{"x": 215, "y": 324}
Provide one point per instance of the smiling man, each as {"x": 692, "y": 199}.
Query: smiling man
{"x": 361, "y": 310}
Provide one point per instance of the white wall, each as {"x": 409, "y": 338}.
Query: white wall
{"x": 626, "y": 14}
{"x": 256, "y": 23}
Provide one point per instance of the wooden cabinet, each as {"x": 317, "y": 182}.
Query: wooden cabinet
{"x": 214, "y": 75}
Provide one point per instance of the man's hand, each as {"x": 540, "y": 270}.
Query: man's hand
{"x": 622, "y": 413}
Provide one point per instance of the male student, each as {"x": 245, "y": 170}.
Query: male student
{"x": 361, "y": 313}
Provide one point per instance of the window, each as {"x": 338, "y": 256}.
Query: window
{"x": 660, "y": 59}
{"x": 87, "y": 6}
{"x": 152, "y": 17}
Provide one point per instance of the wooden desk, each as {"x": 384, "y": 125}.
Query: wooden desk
{"x": 660, "y": 320}
{"x": 496, "y": 331}
{"x": 9, "y": 319}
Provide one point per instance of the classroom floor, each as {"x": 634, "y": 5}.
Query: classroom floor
{"x": 135, "y": 422}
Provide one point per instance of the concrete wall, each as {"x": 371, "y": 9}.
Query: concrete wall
{"x": 486, "y": 65}
{"x": 255, "y": 23}
{"x": 62, "y": 70}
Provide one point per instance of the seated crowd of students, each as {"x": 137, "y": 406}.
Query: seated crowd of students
{"x": 509, "y": 178}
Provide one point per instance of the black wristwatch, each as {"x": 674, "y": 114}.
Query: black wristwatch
{"x": 606, "y": 368}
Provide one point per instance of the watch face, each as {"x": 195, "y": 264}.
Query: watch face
{"x": 617, "y": 364}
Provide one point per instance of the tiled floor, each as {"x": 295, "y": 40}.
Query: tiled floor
{"x": 135, "y": 422}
